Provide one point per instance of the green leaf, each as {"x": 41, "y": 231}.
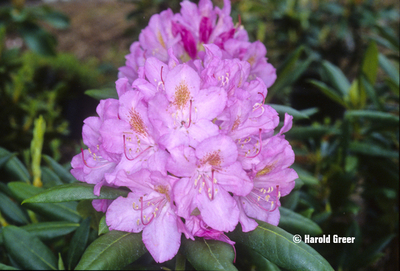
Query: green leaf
{"x": 307, "y": 132}
{"x": 372, "y": 150}
{"x": 251, "y": 260}
{"x": 370, "y": 62}
{"x": 208, "y": 254}
{"x": 330, "y": 93}
{"x": 36, "y": 149}
{"x": 389, "y": 68}
{"x": 28, "y": 250}
{"x": 103, "y": 228}
{"x": 336, "y": 78}
{"x": 371, "y": 92}
{"x": 37, "y": 39}
{"x": 60, "y": 262}
{"x": 56, "y": 211}
{"x": 297, "y": 224}
{"x": 305, "y": 176}
{"x": 282, "y": 109}
{"x": 101, "y": 94}
{"x": 112, "y": 251}
{"x": 7, "y": 267}
{"x": 49, "y": 178}
{"x": 64, "y": 174}
{"x": 277, "y": 246}
{"x": 14, "y": 167}
{"x": 374, "y": 116}
{"x": 75, "y": 191}
{"x": 374, "y": 249}
{"x": 11, "y": 211}
{"x": 5, "y": 157}
{"x": 57, "y": 19}
{"x": 78, "y": 243}
{"x": 50, "y": 230}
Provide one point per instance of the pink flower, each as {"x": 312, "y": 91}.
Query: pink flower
{"x": 148, "y": 208}
{"x": 186, "y": 33}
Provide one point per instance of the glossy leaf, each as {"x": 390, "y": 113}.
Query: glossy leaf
{"x": 61, "y": 172}
{"x": 14, "y": 167}
{"x": 112, "y": 251}
{"x": 305, "y": 176}
{"x": 277, "y": 246}
{"x": 5, "y": 157}
{"x": 7, "y": 267}
{"x": 282, "y": 109}
{"x": 370, "y": 62}
{"x": 37, "y": 39}
{"x": 28, "y": 250}
{"x": 374, "y": 116}
{"x": 50, "y": 230}
{"x": 306, "y": 132}
{"x": 75, "y": 191}
{"x": 372, "y": 150}
{"x": 297, "y": 224}
{"x": 49, "y": 178}
{"x": 103, "y": 228}
{"x": 208, "y": 254}
{"x": 101, "y": 94}
{"x": 56, "y": 211}
{"x": 329, "y": 92}
{"x": 56, "y": 19}
{"x": 78, "y": 244}
{"x": 389, "y": 68}
{"x": 252, "y": 260}
{"x": 11, "y": 211}
{"x": 336, "y": 78}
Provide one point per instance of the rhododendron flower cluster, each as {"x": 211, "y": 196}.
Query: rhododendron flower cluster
{"x": 189, "y": 135}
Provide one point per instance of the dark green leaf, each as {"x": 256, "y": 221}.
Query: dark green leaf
{"x": 7, "y": 267}
{"x": 370, "y": 62}
{"x": 101, "y": 94}
{"x": 307, "y": 132}
{"x": 56, "y": 211}
{"x": 64, "y": 174}
{"x": 371, "y": 92}
{"x": 49, "y": 178}
{"x": 389, "y": 68}
{"x": 297, "y": 224}
{"x": 103, "y": 228}
{"x": 112, "y": 251}
{"x": 76, "y": 191}
{"x": 374, "y": 249}
{"x": 78, "y": 243}
{"x": 372, "y": 150}
{"x": 374, "y": 116}
{"x": 337, "y": 78}
{"x": 37, "y": 39}
{"x": 56, "y": 19}
{"x": 50, "y": 230}
{"x": 28, "y": 250}
{"x": 305, "y": 176}
{"x": 290, "y": 201}
{"x": 11, "y": 211}
{"x": 277, "y": 246}
{"x": 14, "y": 167}
{"x": 85, "y": 209}
{"x": 208, "y": 254}
{"x": 282, "y": 109}
{"x": 251, "y": 260}
{"x": 5, "y": 157}
{"x": 330, "y": 93}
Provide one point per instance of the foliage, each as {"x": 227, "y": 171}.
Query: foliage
{"x": 337, "y": 75}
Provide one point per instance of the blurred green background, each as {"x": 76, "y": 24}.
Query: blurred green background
{"x": 338, "y": 75}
